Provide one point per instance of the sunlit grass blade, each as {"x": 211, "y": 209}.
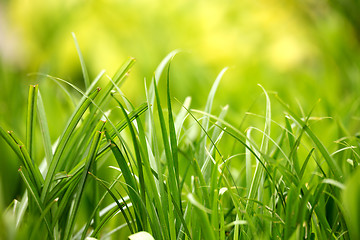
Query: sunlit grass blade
{"x": 172, "y": 136}
{"x": 117, "y": 80}
{"x": 30, "y": 123}
{"x": 158, "y": 73}
{"x": 205, "y": 121}
{"x": 172, "y": 179}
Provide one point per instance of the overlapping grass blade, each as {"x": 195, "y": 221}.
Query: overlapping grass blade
{"x": 333, "y": 165}
{"x": 75, "y": 118}
{"x": 205, "y": 121}
{"x": 80, "y": 188}
{"x": 29, "y": 165}
{"x": 139, "y": 166}
{"x": 35, "y": 196}
{"x": 119, "y": 205}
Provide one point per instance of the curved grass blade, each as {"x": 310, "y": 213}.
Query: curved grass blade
{"x": 42, "y": 217}
{"x": 10, "y": 141}
{"x": 205, "y": 121}
{"x": 75, "y": 118}
{"x": 132, "y": 116}
{"x": 333, "y": 166}
{"x": 33, "y": 192}
{"x": 139, "y": 164}
{"x": 81, "y": 186}
{"x": 33, "y": 170}
{"x": 120, "y": 206}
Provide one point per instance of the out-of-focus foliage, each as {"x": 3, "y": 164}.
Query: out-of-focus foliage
{"x": 303, "y": 50}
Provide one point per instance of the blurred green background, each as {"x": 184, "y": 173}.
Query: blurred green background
{"x": 302, "y": 50}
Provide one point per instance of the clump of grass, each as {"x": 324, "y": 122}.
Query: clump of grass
{"x": 278, "y": 182}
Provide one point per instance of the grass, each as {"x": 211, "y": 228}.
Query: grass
{"x": 169, "y": 175}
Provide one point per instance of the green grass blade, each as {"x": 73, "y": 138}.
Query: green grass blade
{"x": 293, "y": 146}
{"x": 44, "y": 129}
{"x": 333, "y": 166}
{"x": 31, "y": 167}
{"x": 34, "y": 193}
{"x": 83, "y": 105}
{"x": 30, "y": 123}
{"x": 120, "y": 206}
{"x": 172, "y": 135}
{"x": 200, "y": 212}
{"x": 139, "y": 162}
{"x": 302, "y": 171}
{"x": 132, "y": 116}
{"x": 157, "y": 75}
{"x": 10, "y": 141}
{"x": 205, "y": 121}
{"x": 82, "y": 63}
{"x": 80, "y": 188}
{"x": 169, "y": 158}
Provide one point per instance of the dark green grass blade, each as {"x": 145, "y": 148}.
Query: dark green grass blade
{"x": 31, "y": 167}
{"x": 44, "y": 129}
{"x": 80, "y": 188}
{"x": 83, "y": 105}
{"x": 132, "y": 116}
{"x": 139, "y": 163}
{"x": 120, "y": 206}
{"x": 35, "y": 195}
{"x": 120, "y": 159}
{"x": 129, "y": 179}
{"x": 302, "y": 171}
{"x": 14, "y": 146}
{"x": 47, "y": 209}
{"x": 89, "y": 222}
{"x": 30, "y": 122}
